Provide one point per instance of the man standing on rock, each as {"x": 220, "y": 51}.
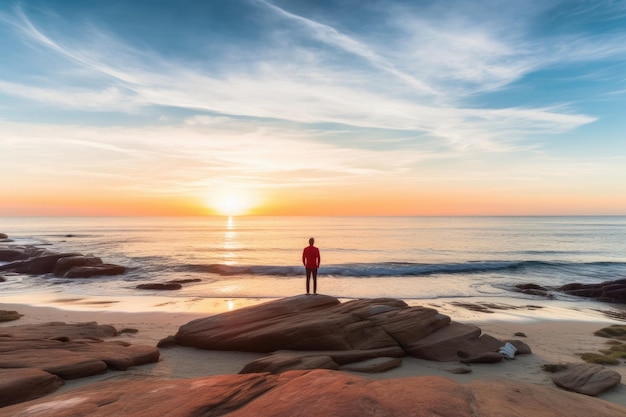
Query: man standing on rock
{"x": 311, "y": 261}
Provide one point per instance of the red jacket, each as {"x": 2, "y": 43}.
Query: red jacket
{"x": 311, "y": 257}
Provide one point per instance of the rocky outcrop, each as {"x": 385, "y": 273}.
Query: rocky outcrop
{"x": 52, "y": 352}
{"x": 608, "y": 291}
{"x": 586, "y": 378}
{"x": 321, "y": 323}
{"x": 23, "y": 384}
{"x": 313, "y": 394}
{"x": 37, "y": 261}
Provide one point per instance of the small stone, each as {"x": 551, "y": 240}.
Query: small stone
{"x": 460, "y": 370}
{"x": 520, "y": 334}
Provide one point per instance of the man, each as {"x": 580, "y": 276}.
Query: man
{"x": 311, "y": 261}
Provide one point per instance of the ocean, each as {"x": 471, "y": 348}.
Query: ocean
{"x": 411, "y": 258}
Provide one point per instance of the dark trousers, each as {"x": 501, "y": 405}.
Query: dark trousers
{"x": 311, "y": 272}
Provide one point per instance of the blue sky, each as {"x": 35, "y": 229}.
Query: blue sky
{"x": 438, "y": 107}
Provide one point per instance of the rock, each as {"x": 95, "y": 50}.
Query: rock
{"x": 65, "y": 264}
{"x": 10, "y": 255}
{"x": 460, "y": 370}
{"x": 18, "y": 385}
{"x": 282, "y": 362}
{"x": 522, "y": 348}
{"x": 68, "y": 351}
{"x": 37, "y": 261}
{"x": 611, "y": 291}
{"x": 321, "y": 323}
{"x": 2, "y": 279}
{"x": 3, "y": 236}
{"x": 157, "y": 286}
{"x": 9, "y": 315}
{"x": 184, "y": 281}
{"x": 94, "y": 271}
{"x": 455, "y": 342}
{"x": 376, "y": 365}
{"x": 312, "y": 394}
{"x": 586, "y": 378}
{"x": 43, "y": 264}
{"x": 486, "y": 357}
{"x": 532, "y": 289}
{"x": 520, "y": 334}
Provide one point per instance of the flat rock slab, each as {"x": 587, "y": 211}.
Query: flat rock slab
{"x": 306, "y": 323}
{"x": 36, "y": 357}
{"x": 587, "y": 378}
{"x": 313, "y": 394}
{"x": 18, "y": 385}
{"x": 372, "y": 366}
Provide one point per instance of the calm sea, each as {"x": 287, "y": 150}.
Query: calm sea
{"x": 259, "y": 257}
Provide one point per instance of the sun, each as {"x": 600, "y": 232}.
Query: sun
{"x": 231, "y": 202}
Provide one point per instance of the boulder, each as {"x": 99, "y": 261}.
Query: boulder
{"x": 18, "y": 385}
{"x": 314, "y": 323}
{"x": 3, "y": 236}
{"x": 454, "y": 342}
{"x": 610, "y": 291}
{"x": 65, "y": 264}
{"x": 94, "y": 271}
{"x": 586, "y": 378}
{"x": 10, "y": 255}
{"x": 312, "y": 394}
{"x": 43, "y": 264}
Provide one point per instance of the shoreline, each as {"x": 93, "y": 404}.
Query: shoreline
{"x": 555, "y": 333}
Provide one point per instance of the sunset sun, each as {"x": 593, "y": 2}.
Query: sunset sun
{"x": 231, "y": 203}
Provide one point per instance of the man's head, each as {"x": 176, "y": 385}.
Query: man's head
{"x": 311, "y": 241}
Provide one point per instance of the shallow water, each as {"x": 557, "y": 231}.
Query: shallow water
{"x": 411, "y": 258}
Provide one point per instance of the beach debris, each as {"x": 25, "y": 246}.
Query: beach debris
{"x": 57, "y": 351}
{"x": 9, "y": 315}
{"x": 315, "y": 393}
{"x": 508, "y": 350}
{"x": 159, "y": 286}
{"x": 344, "y": 331}
{"x": 587, "y": 378}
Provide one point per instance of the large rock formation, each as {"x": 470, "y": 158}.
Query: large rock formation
{"x": 366, "y": 328}
{"x": 37, "y": 261}
{"x": 35, "y": 359}
{"x": 313, "y": 394}
{"x": 608, "y": 291}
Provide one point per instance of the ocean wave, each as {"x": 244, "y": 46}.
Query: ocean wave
{"x": 402, "y": 269}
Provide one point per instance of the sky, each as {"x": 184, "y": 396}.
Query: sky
{"x": 312, "y": 107}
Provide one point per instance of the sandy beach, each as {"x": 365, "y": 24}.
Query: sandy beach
{"x": 556, "y": 333}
